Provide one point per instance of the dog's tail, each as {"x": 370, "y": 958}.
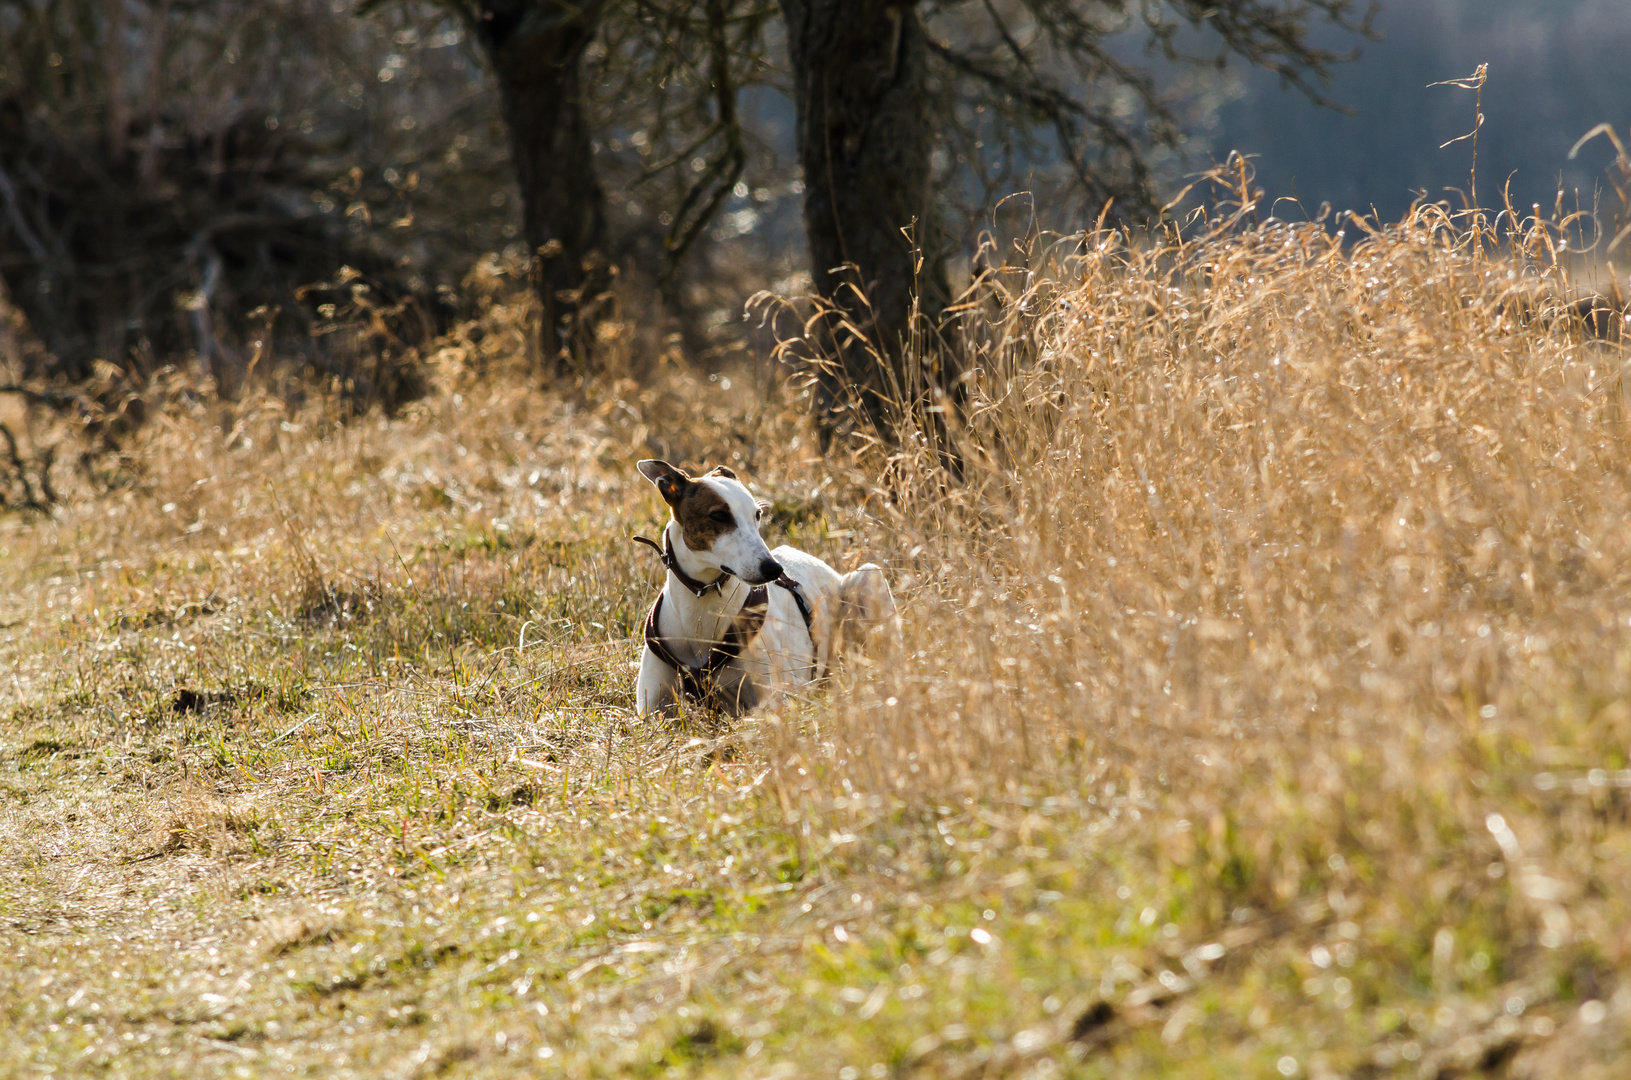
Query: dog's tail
{"x": 866, "y": 605}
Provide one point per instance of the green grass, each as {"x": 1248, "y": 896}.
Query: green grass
{"x": 382, "y": 838}
{"x": 1277, "y": 735}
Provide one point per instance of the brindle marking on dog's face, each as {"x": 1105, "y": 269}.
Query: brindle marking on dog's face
{"x": 704, "y": 516}
{"x": 703, "y": 513}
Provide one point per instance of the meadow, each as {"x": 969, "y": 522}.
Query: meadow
{"x": 1262, "y": 709}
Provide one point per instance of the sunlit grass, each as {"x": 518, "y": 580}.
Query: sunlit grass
{"x": 1263, "y": 711}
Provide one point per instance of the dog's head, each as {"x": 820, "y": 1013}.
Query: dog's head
{"x": 718, "y": 520}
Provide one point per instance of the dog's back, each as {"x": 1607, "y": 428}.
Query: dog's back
{"x": 865, "y": 604}
{"x": 847, "y": 608}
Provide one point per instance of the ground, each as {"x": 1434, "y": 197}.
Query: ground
{"x": 1262, "y": 711}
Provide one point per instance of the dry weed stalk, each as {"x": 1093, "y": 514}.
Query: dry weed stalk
{"x": 316, "y": 595}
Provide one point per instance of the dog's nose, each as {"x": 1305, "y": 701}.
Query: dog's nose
{"x": 770, "y": 570}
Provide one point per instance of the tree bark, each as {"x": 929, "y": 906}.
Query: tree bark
{"x": 865, "y": 136}
{"x": 536, "y": 49}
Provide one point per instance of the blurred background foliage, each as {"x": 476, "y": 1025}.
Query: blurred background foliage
{"x": 221, "y": 180}
{"x": 322, "y": 186}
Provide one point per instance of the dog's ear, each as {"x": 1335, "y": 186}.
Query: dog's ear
{"x": 723, "y": 470}
{"x": 671, "y": 482}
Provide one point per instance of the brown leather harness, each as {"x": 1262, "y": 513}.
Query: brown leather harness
{"x": 701, "y": 682}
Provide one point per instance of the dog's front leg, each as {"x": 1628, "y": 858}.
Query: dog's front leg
{"x": 657, "y": 689}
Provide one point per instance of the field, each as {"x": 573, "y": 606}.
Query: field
{"x": 1263, "y": 709}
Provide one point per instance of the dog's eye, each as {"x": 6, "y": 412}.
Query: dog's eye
{"x": 723, "y": 517}
{"x": 759, "y": 514}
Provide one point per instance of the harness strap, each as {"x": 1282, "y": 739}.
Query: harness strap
{"x": 700, "y": 682}
{"x": 809, "y": 628}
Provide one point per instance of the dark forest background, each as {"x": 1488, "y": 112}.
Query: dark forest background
{"x": 324, "y": 186}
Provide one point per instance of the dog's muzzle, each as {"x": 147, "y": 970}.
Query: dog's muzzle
{"x": 769, "y": 570}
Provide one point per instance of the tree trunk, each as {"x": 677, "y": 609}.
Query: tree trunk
{"x": 865, "y": 135}
{"x": 536, "y": 48}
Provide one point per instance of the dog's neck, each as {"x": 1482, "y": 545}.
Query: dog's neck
{"x": 698, "y": 618}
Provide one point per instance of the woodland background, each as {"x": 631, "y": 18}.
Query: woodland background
{"x": 320, "y": 187}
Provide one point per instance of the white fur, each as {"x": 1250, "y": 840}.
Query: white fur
{"x": 781, "y": 658}
{"x": 742, "y": 549}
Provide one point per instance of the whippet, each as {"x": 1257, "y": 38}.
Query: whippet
{"x": 738, "y": 625}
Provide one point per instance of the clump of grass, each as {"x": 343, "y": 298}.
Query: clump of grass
{"x": 316, "y": 595}
{"x": 1261, "y": 708}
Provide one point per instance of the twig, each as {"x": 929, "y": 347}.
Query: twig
{"x": 15, "y": 213}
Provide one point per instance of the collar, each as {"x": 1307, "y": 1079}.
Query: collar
{"x": 666, "y": 553}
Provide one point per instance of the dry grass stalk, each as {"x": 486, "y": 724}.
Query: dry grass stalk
{"x": 315, "y": 593}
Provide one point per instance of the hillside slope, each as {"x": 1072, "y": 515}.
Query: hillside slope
{"x": 1263, "y": 711}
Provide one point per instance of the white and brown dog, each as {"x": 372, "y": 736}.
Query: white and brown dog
{"x": 738, "y": 625}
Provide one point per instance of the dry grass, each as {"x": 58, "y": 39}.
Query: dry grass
{"x": 1263, "y": 711}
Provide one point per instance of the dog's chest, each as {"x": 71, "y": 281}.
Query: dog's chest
{"x": 693, "y": 632}
{"x": 770, "y": 643}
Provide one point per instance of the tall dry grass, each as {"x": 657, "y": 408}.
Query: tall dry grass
{"x": 1305, "y": 546}
{"x": 1261, "y": 485}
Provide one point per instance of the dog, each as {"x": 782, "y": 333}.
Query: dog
{"x": 738, "y": 626}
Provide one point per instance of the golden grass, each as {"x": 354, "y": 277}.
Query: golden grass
{"x": 1263, "y": 711}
